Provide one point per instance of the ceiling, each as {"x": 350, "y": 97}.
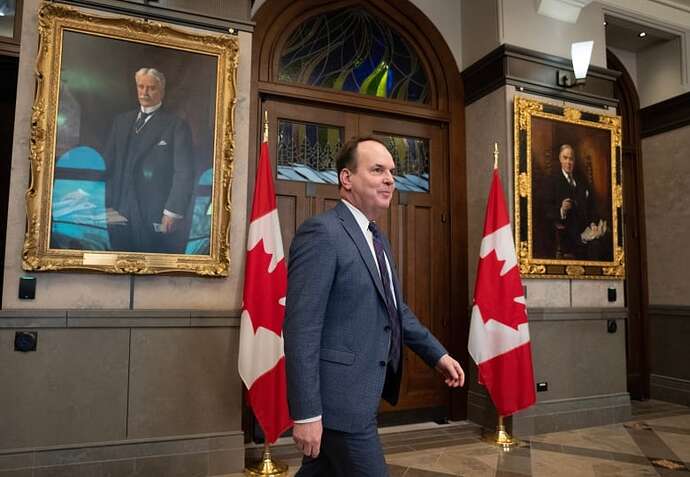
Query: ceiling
{"x": 624, "y": 34}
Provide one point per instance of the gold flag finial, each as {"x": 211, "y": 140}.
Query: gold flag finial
{"x": 495, "y": 155}
{"x": 265, "y": 125}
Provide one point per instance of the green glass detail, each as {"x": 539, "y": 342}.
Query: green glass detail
{"x": 352, "y": 50}
{"x": 411, "y": 156}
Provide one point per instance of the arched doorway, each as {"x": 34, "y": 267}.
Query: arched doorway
{"x": 636, "y": 292}
{"x": 412, "y": 99}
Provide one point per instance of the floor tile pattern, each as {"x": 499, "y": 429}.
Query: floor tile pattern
{"x": 656, "y": 442}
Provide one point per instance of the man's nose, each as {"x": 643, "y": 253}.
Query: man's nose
{"x": 388, "y": 178}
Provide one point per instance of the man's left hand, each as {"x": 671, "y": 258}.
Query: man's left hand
{"x": 451, "y": 370}
{"x": 168, "y": 224}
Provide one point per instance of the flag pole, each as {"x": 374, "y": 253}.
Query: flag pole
{"x": 266, "y": 125}
{"x": 266, "y": 466}
{"x": 501, "y": 438}
{"x": 495, "y": 155}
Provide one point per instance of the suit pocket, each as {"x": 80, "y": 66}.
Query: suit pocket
{"x": 335, "y": 356}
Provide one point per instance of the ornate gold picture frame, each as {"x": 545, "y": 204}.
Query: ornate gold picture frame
{"x": 568, "y": 192}
{"x": 132, "y": 146}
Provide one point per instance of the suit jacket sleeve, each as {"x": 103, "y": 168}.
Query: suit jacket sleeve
{"x": 419, "y": 338}
{"x": 415, "y": 334}
{"x": 183, "y": 174}
{"x": 311, "y": 271}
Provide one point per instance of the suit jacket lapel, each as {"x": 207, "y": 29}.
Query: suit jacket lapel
{"x": 150, "y": 133}
{"x": 355, "y": 233}
{"x": 394, "y": 276}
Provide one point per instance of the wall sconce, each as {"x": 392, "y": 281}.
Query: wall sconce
{"x": 581, "y": 54}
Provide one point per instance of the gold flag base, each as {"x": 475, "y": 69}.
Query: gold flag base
{"x": 501, "y": 437}
{"x": 266, "y": 466}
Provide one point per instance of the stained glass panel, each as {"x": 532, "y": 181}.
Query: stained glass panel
{"x": 8, "y": 11}
{"x": 411, "y": 156}
{"x": 352, "y": 50}
{"x": 306, "y": 151}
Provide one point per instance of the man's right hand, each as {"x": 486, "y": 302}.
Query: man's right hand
{"x": 307, "y": 436}
{"x": 566, "y": 205}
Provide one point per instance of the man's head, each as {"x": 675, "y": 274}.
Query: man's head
{"x": 150, "y": 86}
{"x": 566, "y": 156}
{"x": 365, "y": 175}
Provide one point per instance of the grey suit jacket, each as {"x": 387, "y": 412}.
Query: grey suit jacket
{"x": 335, "y": 330}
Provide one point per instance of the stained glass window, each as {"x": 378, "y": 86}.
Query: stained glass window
{"x": 79, "y": 217}
{"x": 306, "y": 151}
{"x": 352, "y": 50}
{"x": 411, "y": 156}
{"x": 198, "y": 242}
{"x": 8, "y": 11}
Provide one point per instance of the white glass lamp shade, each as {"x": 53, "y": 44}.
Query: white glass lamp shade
{"x": 581, "y": 53}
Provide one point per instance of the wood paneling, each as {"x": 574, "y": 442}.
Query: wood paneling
{"x": 665, "y": 116}
{"x": 535, "y": 72}
{"x": 636, "y": 289}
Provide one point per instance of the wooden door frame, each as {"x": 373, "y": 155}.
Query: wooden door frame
{"x": 276, "y": 18}
{"x": 637, "y": 336}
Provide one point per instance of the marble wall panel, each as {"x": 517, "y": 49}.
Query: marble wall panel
{"x": 184, "y": 381}
{"x": 666, "y": 172}
{"x": 72, "y": 389}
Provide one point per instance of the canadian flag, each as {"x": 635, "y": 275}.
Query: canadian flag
{"x": 499, "y": 335}
{"x": 261, "y": 360}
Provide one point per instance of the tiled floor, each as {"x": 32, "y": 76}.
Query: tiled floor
{"x": 655, "y": 443}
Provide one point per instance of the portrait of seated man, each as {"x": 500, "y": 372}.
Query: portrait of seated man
{"x": 571, "y": 212}
{"x": 149, "y": 173}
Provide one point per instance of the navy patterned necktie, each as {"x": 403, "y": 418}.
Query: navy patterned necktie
{"x": 141, "y": 121}
{"x": 393, "y": 319}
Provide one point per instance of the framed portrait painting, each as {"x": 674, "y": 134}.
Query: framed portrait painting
{"x": 131, "y": 146}
{"x": 568, "y": 192}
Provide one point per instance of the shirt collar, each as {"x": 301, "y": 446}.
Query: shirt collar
{"x": 359, "y": 216}
{"x": 150, "y": 109}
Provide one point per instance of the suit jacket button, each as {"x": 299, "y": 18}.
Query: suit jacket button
{"x": 386, "y": 328}
{"x": 382, "y": 363}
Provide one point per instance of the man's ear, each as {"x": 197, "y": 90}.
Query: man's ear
{"x": 345, "y": 179}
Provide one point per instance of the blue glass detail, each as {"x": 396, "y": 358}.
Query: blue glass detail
{"x": 82, "y": 157}
{"x": 352, "y": 50}
{"x": 206, "y": 178}
{"x": 200, "y": 233}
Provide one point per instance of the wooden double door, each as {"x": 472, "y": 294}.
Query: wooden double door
{"x": 417, "y": 222}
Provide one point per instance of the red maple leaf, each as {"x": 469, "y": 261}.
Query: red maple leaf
{"x": 495, "y": 294}
{"x": 263, "y": 290}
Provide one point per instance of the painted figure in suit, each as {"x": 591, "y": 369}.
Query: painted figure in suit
{"x": 569, "y": 209}
{"x": 346, "y": 323}
{"x": 149, "y": 173}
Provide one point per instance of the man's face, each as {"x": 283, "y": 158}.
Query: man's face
{"x": 371, "y": 184}
{"x": 567, "y": 160}
{"x": 149, "y": 90}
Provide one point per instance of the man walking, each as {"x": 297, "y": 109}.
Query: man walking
{"x": 346, "y": 323}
